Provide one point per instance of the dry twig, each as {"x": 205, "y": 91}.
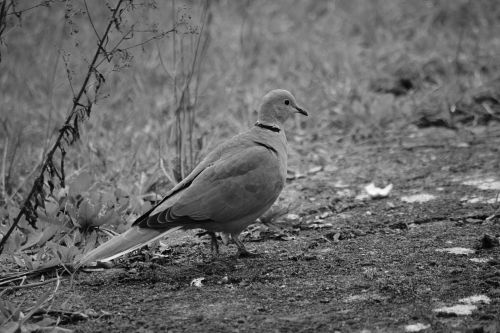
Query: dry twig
{"x": 68, "y": 134}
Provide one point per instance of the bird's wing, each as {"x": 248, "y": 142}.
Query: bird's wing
{"x": 173, "y": 194}
{"x": 237, "y": 185}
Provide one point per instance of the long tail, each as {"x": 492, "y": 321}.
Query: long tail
{"x": 130, "y": 240}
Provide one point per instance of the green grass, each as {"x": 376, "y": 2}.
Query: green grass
{"x": 343, "y": 60}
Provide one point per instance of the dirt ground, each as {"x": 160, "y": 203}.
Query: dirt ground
{"x": 341, "y": 262}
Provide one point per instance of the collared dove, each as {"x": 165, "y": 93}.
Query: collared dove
{"x": 230, "y": 188}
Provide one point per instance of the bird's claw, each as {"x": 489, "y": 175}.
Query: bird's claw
{"x": 246, "y": 254}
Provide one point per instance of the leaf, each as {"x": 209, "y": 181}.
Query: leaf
{"x": 123, "y": 204}
{"x": 51, "y": 207}
{"x": 3, "y": 213}
{"x": 87, "y": 213}
{"x": 33, "y": 238}
{"x": 91, "y": 242}
{"x": 108, "y": 198}
{"x": 137, "y": 204}
{"x": 54, "y": 214}
{"x": 11, "y": 327}
{"x": 62, "y": 193}
{"x": 72, "y": 212}
{"x": 13, "y": 211}
{"x": 27, "y": 261}
{"x": 63, "y": 254}
{"x": 4, "y": 310}
{"x": 68, "y": 240}
{"x": 111, "y": 217}
{"x": 19, "y": 261}
{"x": 375, "y": 192}
{"x": 95, "y": 196}
{"x": 70, "y": 254}
{"x": 14, "y": 242}
{"x": 120, "y": 193}
{"x": 46, "y": 322}
{"x": 80, "y": 183}
{"x": 47, "y": 296}
{"x": 48, "y": 232}
{"x": 23, "y": 224}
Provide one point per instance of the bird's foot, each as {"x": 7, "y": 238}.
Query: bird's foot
{"x": 242, "y": 251}
{"x": 246, "y": 254}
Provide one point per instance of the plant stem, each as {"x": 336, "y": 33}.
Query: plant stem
{"x": 37, "y": 188}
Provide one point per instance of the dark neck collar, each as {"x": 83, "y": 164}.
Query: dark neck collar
{"x": 268, "y": 127}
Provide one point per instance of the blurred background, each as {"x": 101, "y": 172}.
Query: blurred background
{"x": 184, "y": 75}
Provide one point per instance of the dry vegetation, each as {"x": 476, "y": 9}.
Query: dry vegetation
{"x": 187, "y": 75}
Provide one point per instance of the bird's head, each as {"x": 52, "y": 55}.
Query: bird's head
{"x": 277, "y": 106}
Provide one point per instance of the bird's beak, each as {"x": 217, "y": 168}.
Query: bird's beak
{"x": 301, "y": 111}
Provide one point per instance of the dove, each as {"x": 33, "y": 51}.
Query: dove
{"x": 227, "y": 191}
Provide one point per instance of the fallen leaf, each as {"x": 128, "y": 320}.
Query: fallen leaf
{"x": 423, "y": 197}
{"x": 456, "y": 310}
{"x": 80, "y": 183}
{"x": 475, "y": 299}
{"x": 456, "y": 250}
{"x": 416, "y": 327}
{"x": 375, "y": 192}
{"x": 197, "y": 282}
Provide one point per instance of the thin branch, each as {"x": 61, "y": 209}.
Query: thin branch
{"x": 459, "y": 49}
{"x": 90, "y": 20}
{"x": 26, "y": 178}
{"x": 159, "y": 36}
{"x": 68, "y": 73}
{"x": 205, "y": 21}
{"x": 4, "y": 176}
{"x": 36, "y": 195}
{"x": 131, "y": 31}
{"x": 165, "y": 173}
{"x": 162, "y": 63}
{"x": 196, "y": 53}
{"x": 31, "y": 285}
{"x": 174, "y": 50}
{"x": 18, "y": 13}
{"x": 113, "y": 50}
{"x": 186, "y": 93}
{"x": 47, "y": 297}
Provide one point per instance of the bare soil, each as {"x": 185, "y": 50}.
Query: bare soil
{"x": 343, "y": 264}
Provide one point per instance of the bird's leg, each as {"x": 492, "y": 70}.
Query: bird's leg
{"x": 214, "y": 245}
{"x": 242, "y": 251}
{"x": 226, "y": 237}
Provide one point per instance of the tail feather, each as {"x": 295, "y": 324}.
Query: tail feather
{"x": 122, "y": 244}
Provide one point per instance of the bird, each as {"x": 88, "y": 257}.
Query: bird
{"x": 228, "y": 190}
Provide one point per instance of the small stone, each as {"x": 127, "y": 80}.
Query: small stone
{"x": 456, "y": 310}
{"x": 476, "y": 299}
{"x": 488, "y": 242}
{"x": 456, "y": 250}
{"x": 416, "y": 327}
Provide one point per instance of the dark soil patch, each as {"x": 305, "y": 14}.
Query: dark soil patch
{"x": 346, "y": 264}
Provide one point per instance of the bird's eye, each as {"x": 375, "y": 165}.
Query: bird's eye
{"x": 287, "y": 102}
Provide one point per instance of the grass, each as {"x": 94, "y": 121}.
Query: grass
{"x": 366, "y": 70}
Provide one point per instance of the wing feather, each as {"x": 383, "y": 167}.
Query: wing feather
{"x": 229, "y": 189}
